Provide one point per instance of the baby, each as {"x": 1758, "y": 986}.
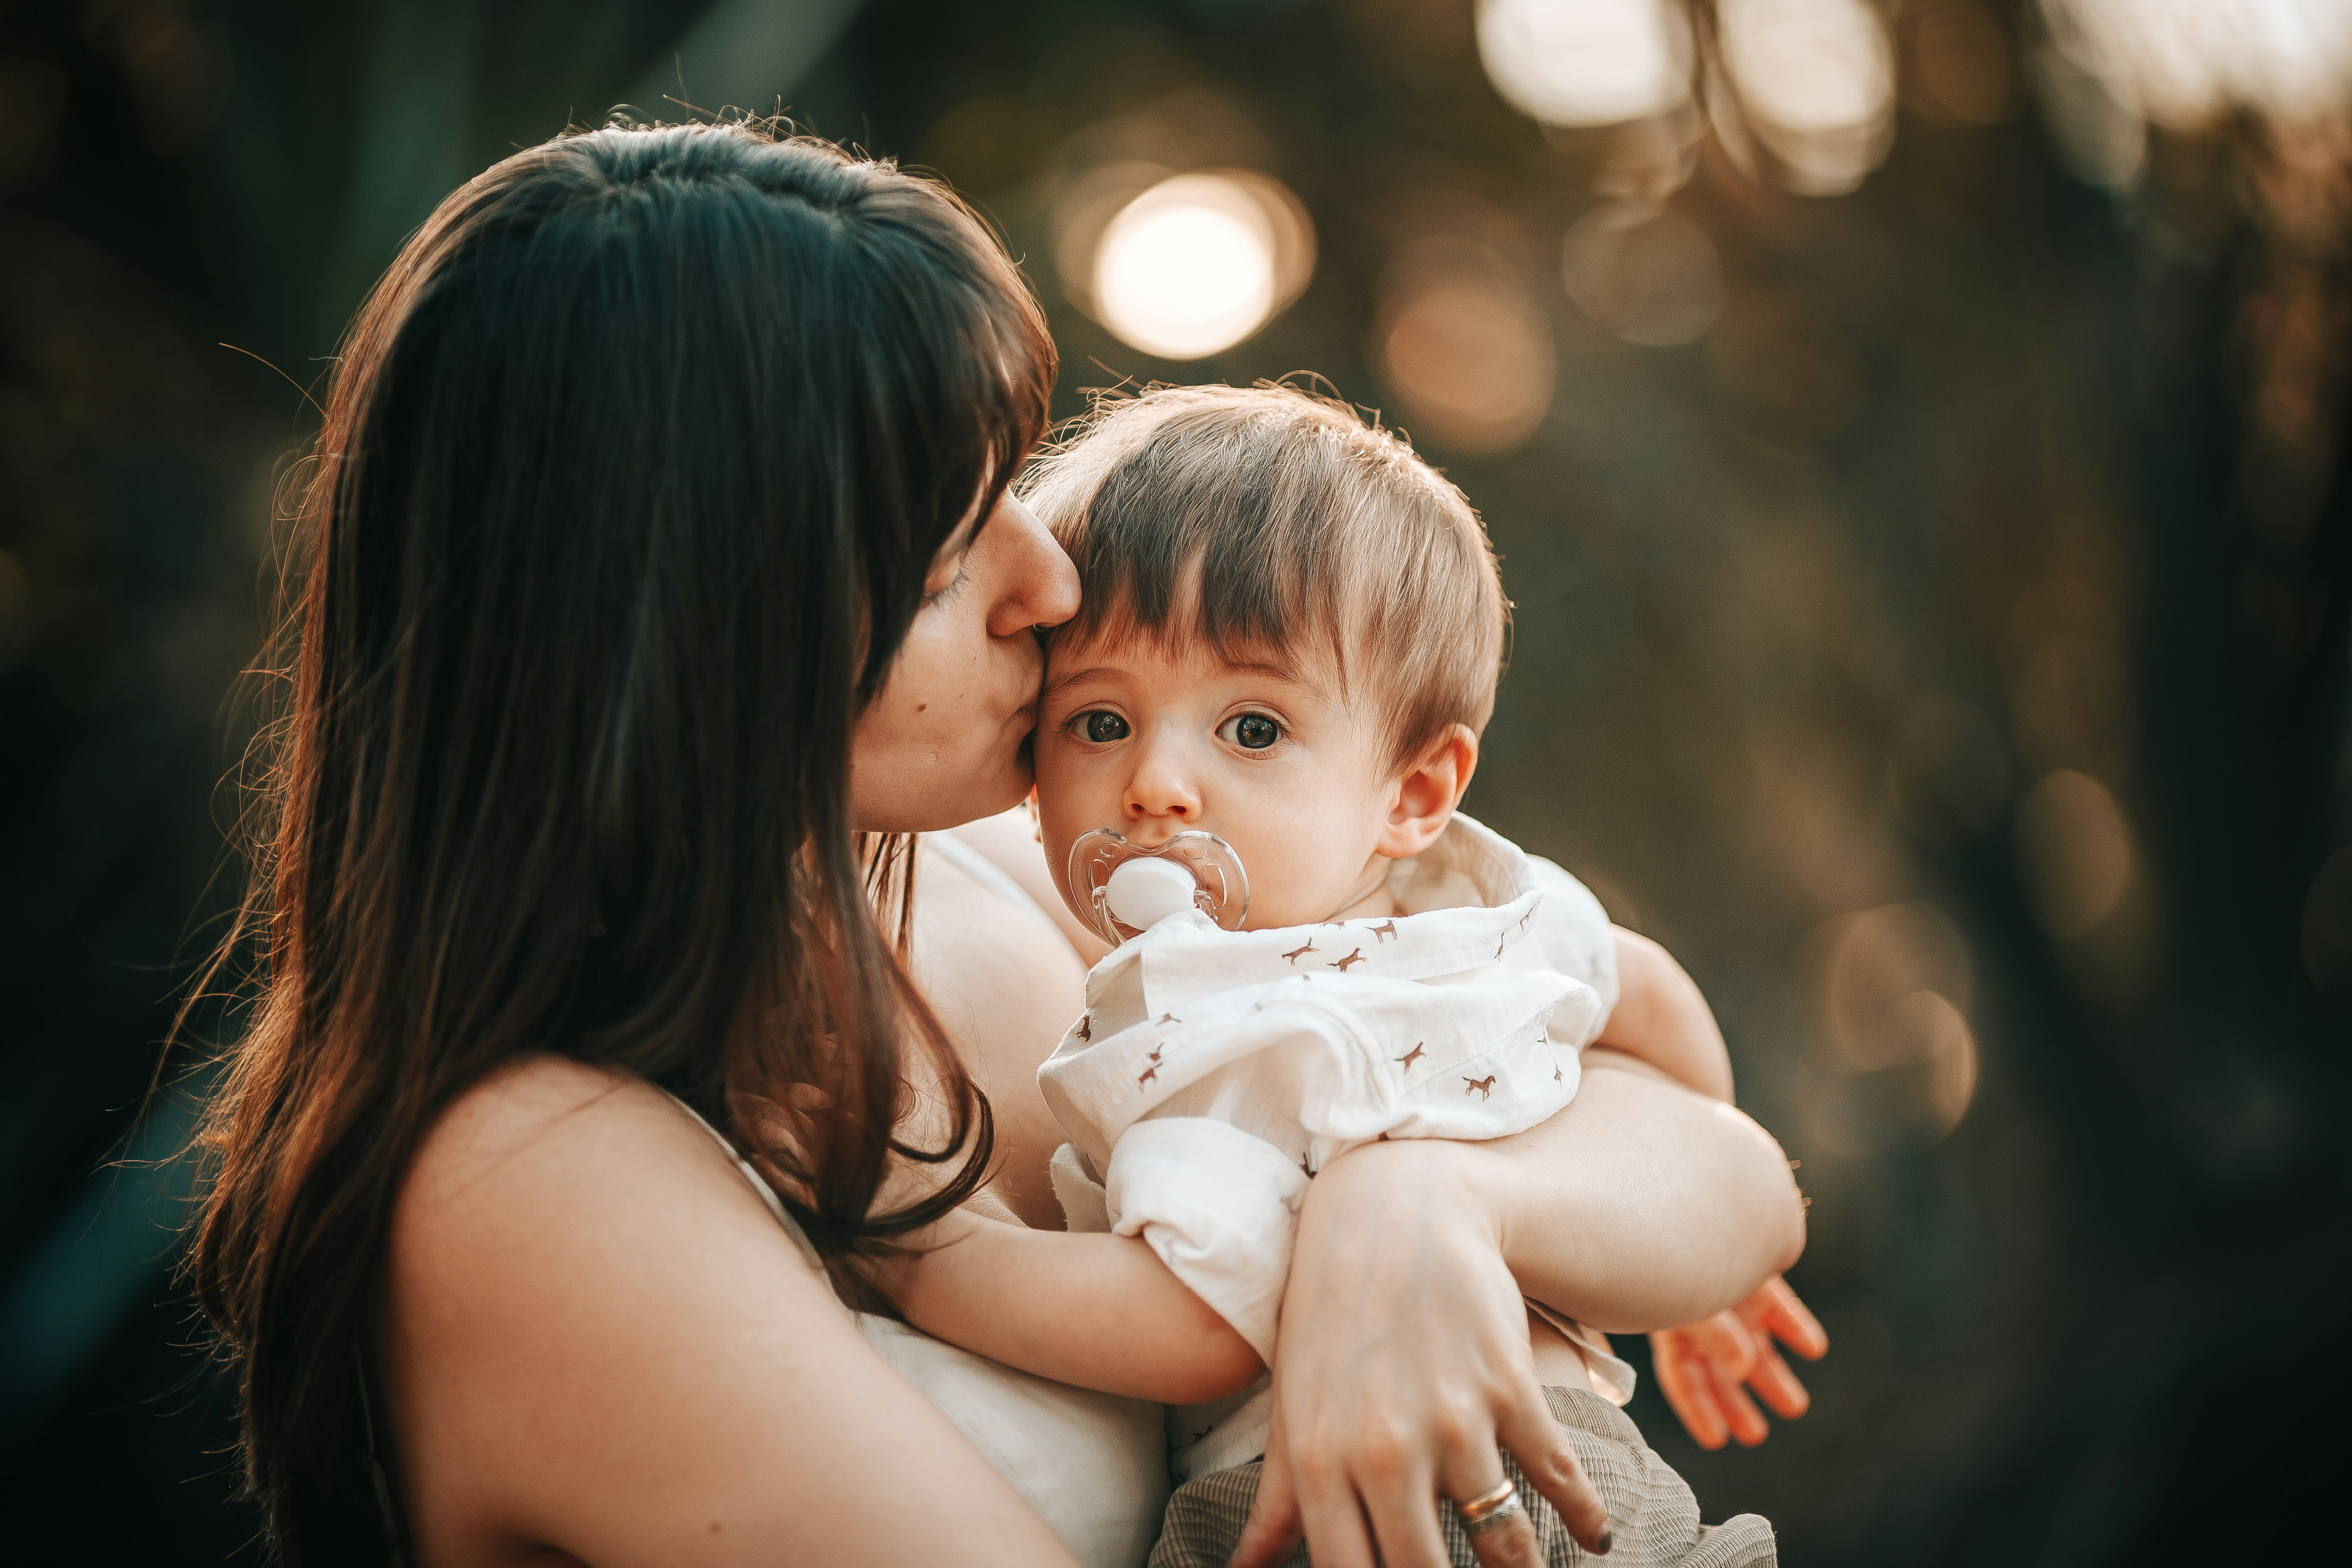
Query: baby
{"x": 1291, "y": 634}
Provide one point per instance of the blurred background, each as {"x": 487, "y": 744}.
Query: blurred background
{"x": 1913, "y": 431}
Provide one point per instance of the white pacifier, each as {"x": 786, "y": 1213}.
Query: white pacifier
{"x": 1126, "y": 890}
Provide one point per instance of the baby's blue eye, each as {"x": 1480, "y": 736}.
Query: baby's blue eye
{"x": 1102, "y": 726}
{"x": 1252, "y": 731}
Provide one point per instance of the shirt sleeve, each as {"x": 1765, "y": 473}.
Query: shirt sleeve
{"x": 1574, "y": 930}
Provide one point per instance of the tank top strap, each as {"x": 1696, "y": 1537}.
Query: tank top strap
{"x": 750, "y": 1173}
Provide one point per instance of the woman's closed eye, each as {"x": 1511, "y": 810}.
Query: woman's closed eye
{"x": 1100, "y": 725}
{"x": 938, "y": 595}
{"x": 1250, "y": 732}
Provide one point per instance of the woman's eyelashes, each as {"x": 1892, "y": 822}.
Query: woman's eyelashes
{"x": 936, "y": 595}
{"x": 1250, "y": 732}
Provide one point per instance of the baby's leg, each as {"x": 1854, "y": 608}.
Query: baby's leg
{"x": 1652, "y": 1516}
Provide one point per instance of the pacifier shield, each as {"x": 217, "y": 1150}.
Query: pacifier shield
{"x": 1123, "y": 889}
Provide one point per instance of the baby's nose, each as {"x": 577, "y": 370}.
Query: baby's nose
{"x": 1158, "y": 790}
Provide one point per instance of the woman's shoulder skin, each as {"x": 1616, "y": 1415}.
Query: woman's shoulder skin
{"x": 1006, "y": 986}
{"x": 600, "y": 1345}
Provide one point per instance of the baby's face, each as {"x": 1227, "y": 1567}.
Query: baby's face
{"x": 1152, "y": 743}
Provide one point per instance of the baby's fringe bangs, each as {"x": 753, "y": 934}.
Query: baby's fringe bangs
{"x": 1269, "y": 523}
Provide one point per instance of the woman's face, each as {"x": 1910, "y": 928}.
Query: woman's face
{"x": 946, "y": 739}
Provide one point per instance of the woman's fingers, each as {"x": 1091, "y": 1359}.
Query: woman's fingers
{"x": 1777, "y": 1386}
{"x": 1508, "y": 1542}
{"x": 1682, "y": 1376}
{"x": 1732, "y": 1346}
{"x": 1324, "y": 1495}
{"x": 1748, "y": 1424}
{"x": 1404, "y": 1523}
{"x": 1334, "y": 1524}
{"x": 1785, "y": 1317}
{"x": 1549, "y": 1461}
{"x": 1273, "y": 1527}
{"x": 1701, "y": 1368}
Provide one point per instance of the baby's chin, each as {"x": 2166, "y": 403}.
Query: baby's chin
{"x": 1273, "y": 914}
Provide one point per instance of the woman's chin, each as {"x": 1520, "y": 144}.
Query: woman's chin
{"x": 997, "y": 783}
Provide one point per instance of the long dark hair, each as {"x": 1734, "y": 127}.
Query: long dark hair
{"x": 631, "y": 470}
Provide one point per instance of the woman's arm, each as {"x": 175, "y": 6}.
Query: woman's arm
{"x": 1643, "y": 1205}
{"x": 1404, "y": 1362}
{"x": 599, "y": 1342}
{"x": 1662, "y": 1019}
{"x": 1098, "y": 1310}
{"x": 1006, "y": 986}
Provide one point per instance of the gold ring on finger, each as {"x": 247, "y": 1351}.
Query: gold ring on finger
{"x": 1490, "y": 1511}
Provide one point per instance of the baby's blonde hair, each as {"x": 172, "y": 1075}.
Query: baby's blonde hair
{"x": 1268, "y": 520}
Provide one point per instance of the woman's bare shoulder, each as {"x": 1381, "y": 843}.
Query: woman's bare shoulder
{"x": 550, "y": 1128}
{"x": 553, "y": 1179}
{"x": 560, "y": 1217}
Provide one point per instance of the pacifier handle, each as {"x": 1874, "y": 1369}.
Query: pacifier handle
{"x": 1143, "y": 892}
{"x": 1122, "y": 888}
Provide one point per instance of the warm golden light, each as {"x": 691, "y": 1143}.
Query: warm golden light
{"x": 2075, "y": 852}
{"x": 1200, "y": 261}
{"x": 2186, "y": 62}
{"x": 1962, "y": 59}
{"x": 1873, "y": 963}
{"x": 1651, "y": 278}
{"x": 1817, "y": 78}
{"x": 1894, "y": 984}
{"x": 1585, "y": 62}
{"x": 1468, "y": 355}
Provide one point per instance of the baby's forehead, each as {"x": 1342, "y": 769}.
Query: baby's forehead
{"x": 1189, "y": 654}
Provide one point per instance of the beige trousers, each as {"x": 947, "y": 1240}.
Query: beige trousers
{"x": 1653, "y": 1517}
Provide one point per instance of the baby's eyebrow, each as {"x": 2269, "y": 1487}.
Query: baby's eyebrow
{"x": 1092, "y": 672}
{"x": 1271, "y": 671}
{"x": 1236, "y": 666}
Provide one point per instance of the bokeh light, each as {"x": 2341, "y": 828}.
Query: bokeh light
{"x": 2182, "y": 63}
{"x": 1200, "y": 261}
{"x": 1960, "y": 57}
{"x": 1873, "y": 961}
{"x": 1893, "y": 986}
{"x": 1817, "y": 78}
{"x": 1585, "y": 62}
{"x": 1651, "y": 278}
{"x": 2075, "y": 852}
{"x": 1469, "y": 357}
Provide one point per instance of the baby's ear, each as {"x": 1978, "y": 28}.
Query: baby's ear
{"x": 1427, "y": 793}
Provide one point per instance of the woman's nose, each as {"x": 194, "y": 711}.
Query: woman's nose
{"x": 1040, "y": 587}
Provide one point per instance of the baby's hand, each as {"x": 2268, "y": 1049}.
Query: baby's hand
{"x": 1701, "y": 1367}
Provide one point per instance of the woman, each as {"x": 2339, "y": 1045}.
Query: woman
{"x": 659, "y": 547}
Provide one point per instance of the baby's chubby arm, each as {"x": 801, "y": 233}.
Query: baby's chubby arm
{"x": 1091, "y": 1309}
{"x": 1661, "y": 1018}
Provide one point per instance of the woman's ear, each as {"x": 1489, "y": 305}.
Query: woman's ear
{"x": 1427, "y": 794}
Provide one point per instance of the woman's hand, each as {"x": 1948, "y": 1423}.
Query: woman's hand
{"x": 1403, "y": 1372}
{"x": 1702, "y": 1367}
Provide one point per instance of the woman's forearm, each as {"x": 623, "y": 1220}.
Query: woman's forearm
{"x": 1643, "y": 1205}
